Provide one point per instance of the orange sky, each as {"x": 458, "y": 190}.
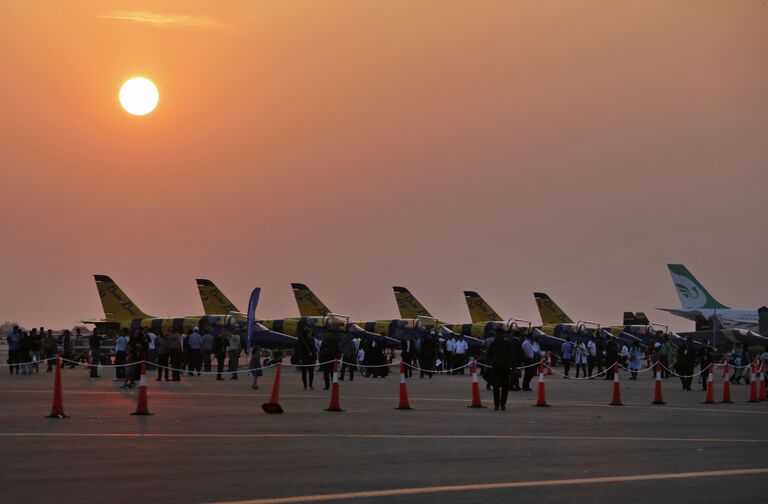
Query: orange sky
{"x": 572, "y": 147}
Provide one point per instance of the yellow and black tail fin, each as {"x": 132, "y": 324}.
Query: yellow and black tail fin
{"x": 214, "y": 301}
{"x": 309, "y": 304}
{"x": 549, "y": 311}
{"x": 117, "y": 306}
{"x": 408, "y": 305}
{"x": 479, "y": 310}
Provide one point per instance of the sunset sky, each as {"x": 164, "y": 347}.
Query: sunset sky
{"x": 572, "y": 147}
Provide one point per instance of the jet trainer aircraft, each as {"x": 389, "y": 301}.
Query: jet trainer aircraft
{"x": 122, "y": 313}
{"x": 396, "y": 329}
{"x": 317, "y": 318}
{"x": 481, "y": 313}
{"x": 556, "y": 322}
{"x": 475, "y": 332}
{"x": 310, "y": 305}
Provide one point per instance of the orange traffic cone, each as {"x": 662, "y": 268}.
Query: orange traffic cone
{"x": 541, "y": 400}
{"x": 334, "y": 405}
{"x": 273, "y": 406}
{"x": 616, "y": 400}
{"x": 404, "y": 404}
{"x": 142, "y": 408}
{"x": 710, "y": 398}
{"x": 753, "y": 397}
{"x": 726, "y": 383}
{"x": 57, "y": 408}
{"x": 549, "y": 363}
{"x": 476, "y": 401}
{"x": 657, "y": 397}
{"x": 761, "y": 392}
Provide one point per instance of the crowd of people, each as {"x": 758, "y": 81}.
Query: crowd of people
{"x": 173, "y": 353}
{"x": 170, "y": 354}
{"x": 28, "y": 350}
{"x": 508, "y": 362}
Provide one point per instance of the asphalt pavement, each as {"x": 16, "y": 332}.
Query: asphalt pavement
{"x": 209, "y": 441}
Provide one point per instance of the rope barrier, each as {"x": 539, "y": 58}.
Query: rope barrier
{"x": 533, "y": 364}
{"x": 372, "y": 366}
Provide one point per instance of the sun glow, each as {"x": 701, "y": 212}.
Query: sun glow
{"x": 139, "y": 96}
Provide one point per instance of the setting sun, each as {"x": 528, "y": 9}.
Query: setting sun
{"x": 139, "y": 96}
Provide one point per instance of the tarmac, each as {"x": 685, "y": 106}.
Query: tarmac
{"x": 209, "y": 441}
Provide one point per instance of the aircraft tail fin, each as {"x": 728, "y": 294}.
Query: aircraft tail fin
{"x": 549, "y": 311}
{"x": 479, "y": 310}
{"x": 409, "y": 306}
{"x": 117, "y": 306}
{"x": 309, "y": 304}
{"x": 214, "y": 301}
{"x": 762, "y": 315}
{"x": 638, "y": 318}
{"x": 690, "y": 291}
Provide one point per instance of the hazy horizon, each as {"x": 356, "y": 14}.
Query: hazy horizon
{"x": 573, "y": 148}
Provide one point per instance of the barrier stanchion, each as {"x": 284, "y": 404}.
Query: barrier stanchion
{"x": 273, "y": 406}
{"x": 541, "y": 399}
{"x": 334, "y": 405}
{"x": 657, "y": 397}
{"x": 142, "y": 408}
{"x": 616, "y": 399}
{"x": 726, "y": 383}
{"x": 476, "y": 401}
{"x": 404, "y": 403}
{"x": 549, "y": 363}
{"x": 753, "y": 397}
{"x": 761, "y": 392}
{"x": 57, "y": 408}
{"x": 710, "y": 397}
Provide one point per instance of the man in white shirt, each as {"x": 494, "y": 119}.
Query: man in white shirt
{"x": 591, "y": 355}
{"x": 195, "y": 342}
{"x": 450, "y": 352}
{"x": 460, "y": 347}
{"x": 233, "y": 353}
{"x": 121, "y": 348}
{"x": 152, "y": 347}
{"x": 536, "y": 347}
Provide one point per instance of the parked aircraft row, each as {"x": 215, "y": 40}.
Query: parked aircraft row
{"x": 714, "y": 322}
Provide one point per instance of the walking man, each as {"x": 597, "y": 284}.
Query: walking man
{"x": 499, "y": 357}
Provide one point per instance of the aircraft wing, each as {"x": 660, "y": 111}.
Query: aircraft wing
{"x": 548, "y": 343}
{"x": 263, "y": 337}
{"x": 472, "y": 342}
{"x": 359, "y": 332}
{"x": 681, "y": 312}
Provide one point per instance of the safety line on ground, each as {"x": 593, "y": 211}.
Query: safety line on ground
{"x": 519, "y": 402}
{"x": 502, "y": 486}
{"x": 473, "y": 437}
